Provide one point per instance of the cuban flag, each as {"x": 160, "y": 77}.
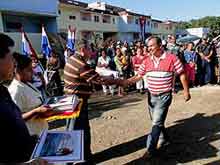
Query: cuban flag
{"x": 45, "y": 45}
{"x": 71, "y": 40}
{"x": 26, "y": 50}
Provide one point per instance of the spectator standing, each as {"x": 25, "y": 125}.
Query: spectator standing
{"x": 137, "y": 61}
{"x": 206, "y": 53}
{"x": 104, "y": 63}
{"x": 190, "y": 63}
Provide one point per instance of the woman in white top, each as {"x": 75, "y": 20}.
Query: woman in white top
{"x": 103, "y": 63}
{"x": 27, "y": 97}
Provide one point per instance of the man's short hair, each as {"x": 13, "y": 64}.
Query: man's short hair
{"x": 157, "y": 39}
{"x": 5, "y": 43}
{"x": 22, "y": 61}
{"x": 191, "y": 43}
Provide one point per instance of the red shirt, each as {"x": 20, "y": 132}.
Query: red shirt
{"x": 137, "y": 61}
{"x": 160, "y": 72}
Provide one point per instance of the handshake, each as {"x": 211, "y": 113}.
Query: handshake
{"x": 110, "y": 80}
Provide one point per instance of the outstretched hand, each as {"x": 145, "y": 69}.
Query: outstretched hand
{"x": 111, "y": 81}
{"x": 187, "y": 96}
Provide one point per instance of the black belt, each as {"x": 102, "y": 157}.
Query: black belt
{"x": 160, "y": 94}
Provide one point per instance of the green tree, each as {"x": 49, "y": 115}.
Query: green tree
{"x": 211, "y": 22}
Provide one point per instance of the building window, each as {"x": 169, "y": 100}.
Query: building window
{"x": 130, "y": 20}
{"x": 155, "y": 25}
{"x": 137, "y": 21}
{"x": 136, "y": 36}
{"x": 13, "y": 26}
{"x": 106, "y": 19}
{"x": 85, "y": 16}
{"x": 86, "y": 35}
{"x": 59, "y": 12}
{"x": 113, "y": 20}
{"x": 96, "y": 18}
{"x": 72, "y": 17}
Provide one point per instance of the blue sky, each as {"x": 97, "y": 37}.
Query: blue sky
{"x": 170, "y": 9}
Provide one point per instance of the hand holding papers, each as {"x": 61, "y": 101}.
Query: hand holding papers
{"x": 44, "y": 111}
{"x": 63, "y": 107}
{"x": 63, "y": 103}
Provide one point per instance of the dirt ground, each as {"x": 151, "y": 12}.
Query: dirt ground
{"x": 120, "y": 127}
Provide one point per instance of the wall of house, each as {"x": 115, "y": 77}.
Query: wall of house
{"x": 162, "y": 30}
{"x": 31, "y": 24}
{"x": 30, "y": 6}
{"x": 35, "y": 39}
{"x": 64, "y": 21}
{"x": 125, "y": 36}
{"x": 131, "y": 27}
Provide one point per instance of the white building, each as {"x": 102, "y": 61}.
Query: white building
{"x": 128, "y": 23}
{"x": 29, "y": 15}
{"x": 90, "y": 23}
{"x": 198, "y": 31}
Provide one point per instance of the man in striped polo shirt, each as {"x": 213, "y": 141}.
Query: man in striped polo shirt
{"x": 78, "y": 77}
{"x": 160, "y": 68}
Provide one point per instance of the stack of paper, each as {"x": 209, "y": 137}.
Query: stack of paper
{"x": 63, "y": 103}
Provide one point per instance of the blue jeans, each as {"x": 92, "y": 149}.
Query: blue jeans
{"x": 158, "y": 107}
{"x": 206, "y": 69}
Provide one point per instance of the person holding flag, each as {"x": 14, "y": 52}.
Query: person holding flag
{"x": 70, "y": 46}
{"x": 27, "y": 48}
{"x": 45, "y": 44}
{"x": 38, "y": 71}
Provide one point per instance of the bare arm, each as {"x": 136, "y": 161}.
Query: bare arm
{"x": 35, "y": 112}
{"x": 210, "y": 54}
{"x": 29, "y": 115}
{"x": 200, "y": 53}
{"x": 100, "y": 65}
{"x": 134, "y": 79}
{"x": 120, "y": 82}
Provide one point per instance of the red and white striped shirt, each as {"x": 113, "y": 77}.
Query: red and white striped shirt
{"x": 160, "y": 72}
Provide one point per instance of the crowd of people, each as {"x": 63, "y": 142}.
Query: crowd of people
{"x": 200, "y": 59}
{"x": 155, "y": 66}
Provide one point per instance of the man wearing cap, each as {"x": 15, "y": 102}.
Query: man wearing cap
{"x": 206, "y": 51}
